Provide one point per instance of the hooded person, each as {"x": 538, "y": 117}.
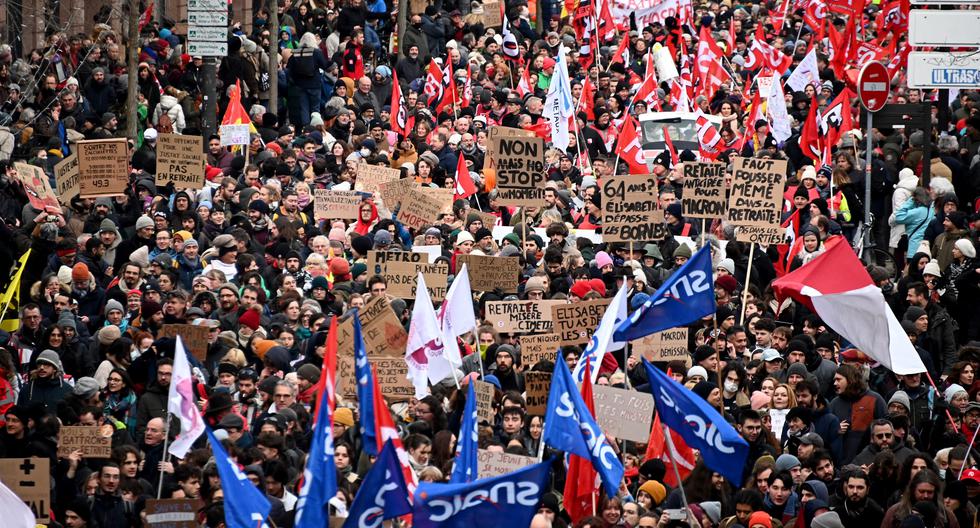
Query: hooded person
{"x": 504, "y": 360}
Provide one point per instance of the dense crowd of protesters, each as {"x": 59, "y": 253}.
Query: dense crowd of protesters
{"x": 836, "y": 439}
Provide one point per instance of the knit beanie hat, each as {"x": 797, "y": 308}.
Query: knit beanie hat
{"x": 966, "y": 247}
{"x": 86, "y": 387}
{"x": 108, "y": 335}
{"x": 67, "y": 320}
{"x": 113, "y": 305}
{"x": 79, "y": 272}
{"x": 51, "y": 358}
{"x": 250, "y": 319}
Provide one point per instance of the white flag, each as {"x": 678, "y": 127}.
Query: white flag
{"x": 602, "y": 340}
{"x": 424, "y": 340}
{"x": 455, "y": 319}
{"x": 778, "y": 116}
{"x": 15, "y": 512}
{"x": 559, "y": 105}
{"x": 181, "y": 403}
{"x": 805, "y": 73}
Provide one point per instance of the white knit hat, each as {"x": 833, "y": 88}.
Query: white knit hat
{"x": 966, "y": 247}
{"x": 932, "y": 268}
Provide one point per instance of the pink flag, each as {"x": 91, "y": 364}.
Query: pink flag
{"x": 181, "y": 403}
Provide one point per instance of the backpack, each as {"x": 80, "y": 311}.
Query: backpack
{"x": 302, "y": 64}
{"x": 165, "y": 125}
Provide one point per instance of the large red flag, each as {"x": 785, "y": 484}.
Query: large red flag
{"x": 581, "y": 481}
{"x": 587, "y": 98}
{"x": 433, "y": 83}
{"x": 670, "y": 147}
{"x": 683, "y": 455}
{"x": 464, "y": 184}
{"x": 146, "y": 17}
{"x": 810, "y": 135}
{"x": 399, "y": 114}
{"x": 709, "y": 139}
{"x": 630, "y": 148}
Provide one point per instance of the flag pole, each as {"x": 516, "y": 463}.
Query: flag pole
{"x": 745, "y": 288}
{"x": 968, "y": 451}
{"x": 166, "y": 441}
{"x": 673, "y": 463}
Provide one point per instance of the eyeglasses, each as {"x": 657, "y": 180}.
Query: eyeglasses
{"x": 882, "y": 436}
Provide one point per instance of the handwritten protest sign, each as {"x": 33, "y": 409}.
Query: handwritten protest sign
{"x": 540, "y": 347}
{"x": 492, "y": 14}
{"x": 172, "y": 513}
{"x": 336, "y": 204}
{"x": 377, "y": 259}
{"x": 489, "y": 220}
{"x": 30, "y": 480}
{"x": 195, "y": 337}
{"x": 180, "y": 159}
{"x": 489, "y": 273}
{"x": 493, "y": 146}
{"x": 625, "y": 414}
{"x": 402, "y": 279}
{"x": 484, "y": 400}
{"x": 37, "y": 186}
{"x": 444, "y": 197}
{"x": 704, "y": 190}
{"x": 104, "y": 167}
{"x": 756, "y": 200}
{"x": 537, "y": 386}
{"x": 576, "y": 322}
{"x": 663, "y": 346}
{"x": 392, "y": 378}
{"x": 393, "y": 192}
{"x": 519, "y": 162}
{"x": 494, "y": 464}
{"x": 630, "y": 210}
{"x": 383, "y": 333}
{"x": 418, "y": 209}
{"x": 85, "y": 438}
{"x": 234, "y": 135}
{"x": 371, "y": 177}
{"x": 67, "y": 179}
{"x": 529, "y": 317}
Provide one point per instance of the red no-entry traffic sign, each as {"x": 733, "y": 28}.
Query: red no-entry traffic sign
{"x": 873, "y": 83}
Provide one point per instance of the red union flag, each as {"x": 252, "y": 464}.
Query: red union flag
{"x": 814, "y": 14}
{"x": 399, "y": 114}
{"x": 852, "y": 8}
{"x": 433, "y": 83}
{"x": 709, "y": 140}
{"x": 630, "y": 149}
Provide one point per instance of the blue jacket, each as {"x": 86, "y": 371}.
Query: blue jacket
{"x": 915, "y": 218}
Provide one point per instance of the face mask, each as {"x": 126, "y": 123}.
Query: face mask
{"x": 731, "y": 386}
{"x": 942, "y": 474}
{"x": 365, "y": 152}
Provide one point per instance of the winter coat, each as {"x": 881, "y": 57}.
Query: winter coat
{"x": 152, "y": 404}
{"x": 860, "y": 412}
{"x": 915, "y": 218}
{"x": 48, "y": 391}
{"x": 171, "y": 106}
{"x": 903, "y": 193}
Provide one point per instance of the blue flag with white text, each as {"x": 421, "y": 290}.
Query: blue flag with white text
{"x": 685, "y": 297}
{"x": 320, "y": 474}
{"x": 365, "y": 391}
{"x": 245, "y": 505}
{"x": 383, "y": 494}
{"x": 506, "y": 500}
{"x": 699, "y": 424}
{"x": 465, "y": 466}
{"x": 570, "y": 427}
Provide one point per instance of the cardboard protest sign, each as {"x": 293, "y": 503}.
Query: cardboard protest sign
{"x": 519, "y": 162}
{"x": 630, "y": 209}
{"x": 392, "y": 378}
{"x": 431, "y": 252}
{"x": 493, "y": 146}
{"x": 393, "y": 192}
{"x": 233, "y": 135}
{"x": 756, "y": 200}
{"x": 419, "y": 209}
{"x": 444, "y": 197}
{"x": 371, "y": 177}
{"x": 576, "y": 322}
{"x": 85, "y": 438}
{"x": 377, "y": 259}
{"x": 484, "y": 400}
{"x": 490, "y": 273}
{"x": 492, "y": 14}
{"x": 663, "y": 346}
{"x": 537, "y": 385}
{"x": 529, "y": 317}
{"x": 704, "y": 190}
{"x": 342, "y": 205}
{"x": 67, "y": 179}
{"x": 196, "y": 338}
{"x": 625, "y": 414}
{"x": 489, "y": 220}
{"x": 37, "y": 186}
{"x": 103, "y": 165}
{"x": 383, "y": 333}
{"x": 494, "y": 464}
{"x": 540, "y": 347}
{"x": 172, "y": 513}
{"x": 180, "y": 159}
{"x": 402, "y": 279}
{"x": 30, "y": 480}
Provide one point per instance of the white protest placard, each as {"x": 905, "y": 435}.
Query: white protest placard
{"x": 234, "y": 135}
{"x": 343, "y": 205}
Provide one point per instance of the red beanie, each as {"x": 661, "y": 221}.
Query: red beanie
{"x": 79, "y": 272}
{"x": 727, "y": 283}
{"x": 250, "y": 319}
{"x": 339, "y": 267}
{"x": 580, "y": 289}
{"x": 598, "y": 285}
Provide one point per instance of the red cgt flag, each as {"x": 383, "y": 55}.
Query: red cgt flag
{"x": 683, "y": 455}
{"x": 630, "y": 149}
{"x": 464, "y": 184}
